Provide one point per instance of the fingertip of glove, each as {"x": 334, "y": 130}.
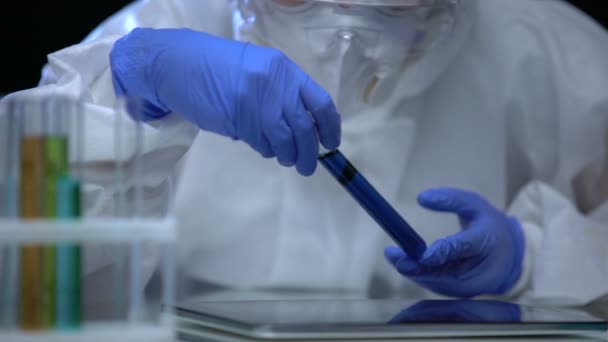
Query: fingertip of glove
{"x": 432, "y": 196}
{"x": 407, "y": 267}
{"x": 306, "y": 171}
{"x": 393, "y": 254}
{"x": 286, "y": 163}
{"x": 331, "y": 144}
{"x": 264, "y": 154}
{"x": 434, "y": 255}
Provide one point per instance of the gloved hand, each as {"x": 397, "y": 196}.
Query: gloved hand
{"x": 485, "y": 258}
{"x": 239, "y": 90}
{"x": 447, "y": 311}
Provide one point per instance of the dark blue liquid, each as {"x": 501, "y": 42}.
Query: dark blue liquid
{"x": 374, "y": 204}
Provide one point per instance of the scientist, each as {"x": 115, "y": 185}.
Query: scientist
{"x": 484, "y": 123}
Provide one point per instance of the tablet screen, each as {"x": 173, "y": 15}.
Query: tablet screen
{"x": 345, "y": 313}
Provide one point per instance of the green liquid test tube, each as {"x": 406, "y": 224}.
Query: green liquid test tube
{"x": 55, "y": 166}
{"x": 69, "y": 293}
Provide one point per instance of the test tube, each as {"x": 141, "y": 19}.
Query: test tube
{"x": 4, "y": 122}
{"x": 136, "y": 292}
{"x": 120, "y": 203}
{"x": 67, "y": 207}
{"x": 3, "y": 206}
{"x": 55, "y": 166}
{"x": 373, "y": 203}
{"x": 10, "y": 203}
{"x": 31, "y": 191}
{"x": 129, "y": 140}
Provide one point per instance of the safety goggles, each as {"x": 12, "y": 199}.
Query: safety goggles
{"x": 385, "y": 7}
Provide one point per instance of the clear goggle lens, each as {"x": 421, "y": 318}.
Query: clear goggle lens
{"x": 386, "y": 7}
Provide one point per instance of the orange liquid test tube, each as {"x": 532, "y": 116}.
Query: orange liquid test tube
{"x": 31, "y": 256}
{"x": 31, "y": 208}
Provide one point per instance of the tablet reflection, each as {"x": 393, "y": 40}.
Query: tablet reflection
{"x": 459, "y": 311}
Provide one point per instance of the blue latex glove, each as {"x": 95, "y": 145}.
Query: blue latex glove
{"x": 239, "y": 90}
{"x": 448, "y": 311}
{"x": 485, "y": 258}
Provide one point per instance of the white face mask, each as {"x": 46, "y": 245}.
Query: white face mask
{"x": 349, "y": 50}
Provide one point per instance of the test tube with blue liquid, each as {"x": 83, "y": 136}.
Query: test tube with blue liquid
{"x": 373, "y": 203}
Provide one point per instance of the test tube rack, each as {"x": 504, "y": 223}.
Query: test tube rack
{"x": 98, "y": 230}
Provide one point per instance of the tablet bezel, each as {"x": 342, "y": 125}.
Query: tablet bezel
{"x": 196, "y": 321}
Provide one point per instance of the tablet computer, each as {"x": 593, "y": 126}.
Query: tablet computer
{"x": 378, "y": 319}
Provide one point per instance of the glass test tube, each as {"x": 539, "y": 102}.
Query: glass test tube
{"x": 10, "y": 203}
{"x": 54, "y": 166}
{"x": 31, "y": 198}
{"x": 4, "y": 323}
{"x": 4, "y": 122}
{"x": 136, "y": 297}
{"x": 373, "y": 203}
{"x": 67, "y": 206}
{"x": 128, "y": 168}
{"x": 120, "y": 204}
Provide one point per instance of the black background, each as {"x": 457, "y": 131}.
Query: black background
{"x": 31, "y": 30}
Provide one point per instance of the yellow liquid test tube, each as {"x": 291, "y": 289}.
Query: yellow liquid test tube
{"x": 32, "y": 148}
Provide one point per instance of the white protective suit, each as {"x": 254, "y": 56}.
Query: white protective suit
{"x": 516, "y": 109}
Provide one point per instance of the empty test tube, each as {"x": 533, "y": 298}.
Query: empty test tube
{"x": 120, "y": 204}
{"x": 128, "y": 152}
{"x": 136, "y": 297}
{"x": 10, "y": 162}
